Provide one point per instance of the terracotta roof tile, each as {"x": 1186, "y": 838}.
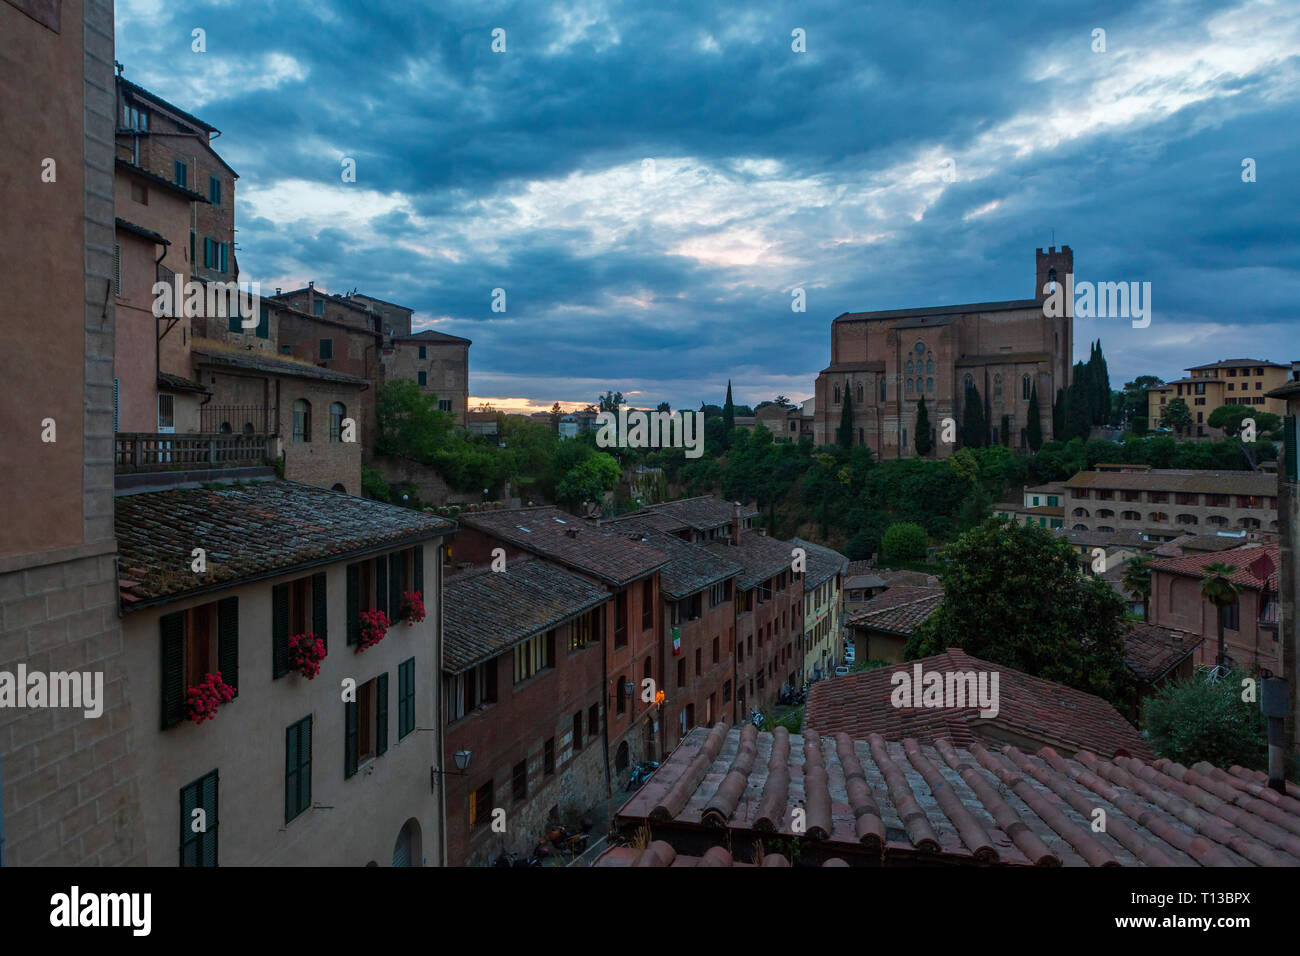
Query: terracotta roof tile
{"x": 605, "y": 554}
{"x": 1029, "y": 708}
{"x": 1193, "y": 565}
{"x": 823, "y": 563}
{"x": 249, "y": 531}
{"x": 762, "y": 557}
{"x": 487, "y": 612}
{"x": 899, "y": 610}
{"x": 1179, "y": 479}
{"x": 690, "y": 567}
{"x": 703, "y": 513}
{"x": 868, "y": 802}
{"x": 1151, "y": 651}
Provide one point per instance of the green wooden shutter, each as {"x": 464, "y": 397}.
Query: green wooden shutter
{"x": 349, "y": 738}
{"x": 395, "y": 586}
{"x": 172, "y": 656}
{"x": 290, "y": 772}
{"x": 228, "y": 641}
{"x": 189, "y": 803}
{"x": 304, "y": 762}
{"x": 236, "y": 324}
{"x": 381, "y": 586}
{"x": 319, "y": 609}
{"x": 381, "y": 714}
{"x": 354, "y": 604}
{"x": 279, "y": 631}
{"x": 208, "y": 842}
{"x": 418, "y": 574}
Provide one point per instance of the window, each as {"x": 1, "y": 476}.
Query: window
{"x": 470, "y": 690}
{"x": 405, "y": 697}
{"x": 317, "y": 307}
{"x": 297, "y": 768}
{"x": 577, "y": 731}
{"x": 337, "y": 413}
{"x": 326, "y": 349}
{"x": 444, "y": 404}
{"x": 620, "y": 694}
{"x": 593, "y": 719}
{"x": 133, "y": 117}
{"x": 194, "y": 643}
{"x": 1231, "y": 616}
{"x": 647, "y": 604}
{"x": 908, "y": 369}
{"x": 699, "y": 659}
{"x": 837, "y": 394}
{"x": 997, "y": 391}
{"x": 548, "y": 758}
{"x": 166, "y": 413}
{"x": 302, "y": 420}
{"x": 199, "y": 848}
{"x": 726, "y": 693}
{"x": 929, "y": 385}
{"x": 584, "y": 631}
{"x": 297, "y": 607}
{"x": 519, "y": 781}
{"x": 715, "y": 650}
{"x": 1025, "y": 386}
{"x": 182, "y": 172}
{"x": 214, "y": 190}
{"x": 480, "y": 805}
{"x": 859, "y": 395}
{"x": 533, "y": 655}
{"x": 422, "y": 378}
{"x": 365, "y": 724}
{"x": 909, "y": 386}
{"x": 422, "y": 355}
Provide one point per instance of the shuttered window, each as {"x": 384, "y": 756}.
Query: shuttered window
{"x": 279, "y": 631}
{"x": 199, "y": 829}
{"x": 417, "y": 574}
{"x": 319, "y": 608}
{"x": 181, "y": 641}
{"x": 228, "y": 641}
{"x": 264, "y": 322}
{"x": 396, "y": 580}
{"x": 297, "y": 768}
{"x": 405, "y": 697}
{"x": 350, "y": 733}
{"x": 172, "y": 656}
{"x": 381, "y": 714}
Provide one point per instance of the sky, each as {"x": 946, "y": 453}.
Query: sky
{"x": 649, "y": 183}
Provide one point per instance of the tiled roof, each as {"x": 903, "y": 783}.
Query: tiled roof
{"x": 152, "y": 177}
{"x": 178, "y": 383}
{"x": 703, "y": 513}
{"x": 899, "y": 610}
{"x": 431, "y": 335}
{"x": 140, "y": 91}
{"x": 761, "y": 556}
{"x": 872, "y": 801}
{"x": 606, "y": 555}
{"x": 272, "y": 366}
{"x": 967, "y": 308}
{"x": 892, "y": 578}
{"x": 1151, "y": 651}
{"x": 248, "y": 531}
{"x": 690, "y": 568}
{"x": 1176, "y": 479}
{"x": 1193, "y": 565}
{"x": 662, "y": 854}
{"x": 823, "y": 563}
{"x": 1030, "y": 708}
{"x": 1054, "y": 488}
{"x": 142, "y": 232}
{"x": 486, "y": 612}
{"x": 1197, "y": 542}
{"x": 865, "y": 581}
{"x": 1238, "y": 363}
{"x": 1107, "y": 539}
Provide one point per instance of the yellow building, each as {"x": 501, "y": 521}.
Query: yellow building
{"x": 823, "y": 639}
{"x": 1228, "y": 382}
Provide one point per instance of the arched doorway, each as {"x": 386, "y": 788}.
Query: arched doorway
{"x": 407, "y": 851}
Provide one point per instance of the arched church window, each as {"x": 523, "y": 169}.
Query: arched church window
{"x": 997, "y": 388}
{"x": 859, "y": 393}
{"x": 929, "y": 385}
{"x": 929, "y": 366}
{"x": 909, "y": 386}
{"x": 920, "y": 348}
{"x": 837, "y": 394}
{"x": 1024, "y": 388}
{"x": 909, "y": 367}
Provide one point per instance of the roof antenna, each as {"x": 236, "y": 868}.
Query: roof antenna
{"x": 121, "y": 68}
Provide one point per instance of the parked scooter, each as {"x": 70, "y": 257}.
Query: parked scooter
{"x": 562, "y": 839}
{"x": 641, "y": 773}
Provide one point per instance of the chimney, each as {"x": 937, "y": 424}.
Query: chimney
{"x": 735, "y": 522}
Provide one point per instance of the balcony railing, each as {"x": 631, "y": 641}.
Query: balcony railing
{"x": 135, "y": 452}
{"x": 228, "y": 419}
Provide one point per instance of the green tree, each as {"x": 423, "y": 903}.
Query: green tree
{"x": 844, "y": 435}
{"x": 410, "y": 423}
{"x": 1034, "y": 431}
{"x": 922, "y": 435}
{"x": 1231, "y": 417}
{"x": 974, "y": 429}
{"x": 903, "y": 543}
{"x": 1220, "y": 590}
{"x": 1078, "y": 404}
{"x": 1015, "y": 595}
{"x": 1058, "y": 416}
{"x": 556, "y": 415}
{"x": 728, "y": 417}
{"x": 1177, "y": 415}
{"x": 1202, "y": 719}
{"x": 1137, "y": 581}
{"x": 588, "y": 480}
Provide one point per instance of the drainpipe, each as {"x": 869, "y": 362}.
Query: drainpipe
{"x": 604, "y": 683}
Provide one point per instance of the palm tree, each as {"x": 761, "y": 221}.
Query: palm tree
{"x": 1137, "y": 581}
{"x": 1220, "y": 590}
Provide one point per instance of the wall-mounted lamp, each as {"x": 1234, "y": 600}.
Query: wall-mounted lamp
{"x": 462, "y": 764}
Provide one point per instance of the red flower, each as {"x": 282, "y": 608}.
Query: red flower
{"x": 374, "y": 625}
{"x": 202, "y": 701}
{"x": 306, "y": 651}
{"x": 412, "y": 607}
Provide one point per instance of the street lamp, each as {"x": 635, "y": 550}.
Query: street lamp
{"x": 462, "y": 764}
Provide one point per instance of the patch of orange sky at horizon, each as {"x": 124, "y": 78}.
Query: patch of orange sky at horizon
{"x": 522, "y": 406}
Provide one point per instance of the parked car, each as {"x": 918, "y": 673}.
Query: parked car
{"x": 841, "y": 671}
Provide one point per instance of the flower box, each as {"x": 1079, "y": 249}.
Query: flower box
{"x": 203, "y": 700}
{"x": 306, "y": 651}
{"x": 412, "y": 608}
{"x": 374, "y": 626}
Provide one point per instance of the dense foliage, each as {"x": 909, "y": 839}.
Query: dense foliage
{"x": 1200, "y": 719}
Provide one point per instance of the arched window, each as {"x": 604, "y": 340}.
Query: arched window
{"x": 407, "y": 850}
{"x": 225, "y": 428}
{"x": 862, "y": 440}
{"x": 1105, "y": 513}
{"x": 909, "y": 367}
{"x": 929, "y": 384}
{"x": 837, "y": 394}
{"x": 919, "y": 348}
{"x": 967, "y": 386}
{"x": 909, "y": 385}
{"x": 248, "y": 428}
{"x": 337, "y": 414}
{"x": 882, "y": 388}
{"x": 338, "y": 486}
{"x": 929, "y": 366}
{"x": 904, "y": 437}
{"x": 302, "y": 420}
{"x": 1051, "y": 279}
{"x": 648, "y": 671}
{"x": 1131, "y": 516}
{"x": 1080, "y": 512}
{"x": 1024, "y": 388}
{"x": 621, "y": 759}
{"x": 1158, "y": 517}
{"x": 859, "y": 393}
{"x": 997, "y": 388}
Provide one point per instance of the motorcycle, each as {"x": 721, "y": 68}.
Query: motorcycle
{"x": 641, "y": 773}
{"x": 562, "y": 839}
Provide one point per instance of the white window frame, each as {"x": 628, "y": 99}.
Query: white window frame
{"x": 171, "y": 403}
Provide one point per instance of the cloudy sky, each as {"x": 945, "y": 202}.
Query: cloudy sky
{"x": 648, "y": 182}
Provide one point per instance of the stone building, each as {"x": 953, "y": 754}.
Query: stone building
{"x": 883, "y": 363}
{"x": 1163, "y": 503}
{"x": 1288, "y": 487}
{"x": 1226, "y": 382}
{"x": 437, "y": 362}
{"x": 68, "y": 784}
{"x": 290, "y": 771}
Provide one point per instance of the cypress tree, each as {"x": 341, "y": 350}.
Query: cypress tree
{"x": 974, "y": 429}
{"x": 1034, "y": 431}
{"x": 1058, "y": 416}
{"x": 845, "y": 433}
{"x": 1101, "y": 381}
{"x": 922, "y": 438}
{"x": 728, "y": 417}
{"x": 1078, "y": 411}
